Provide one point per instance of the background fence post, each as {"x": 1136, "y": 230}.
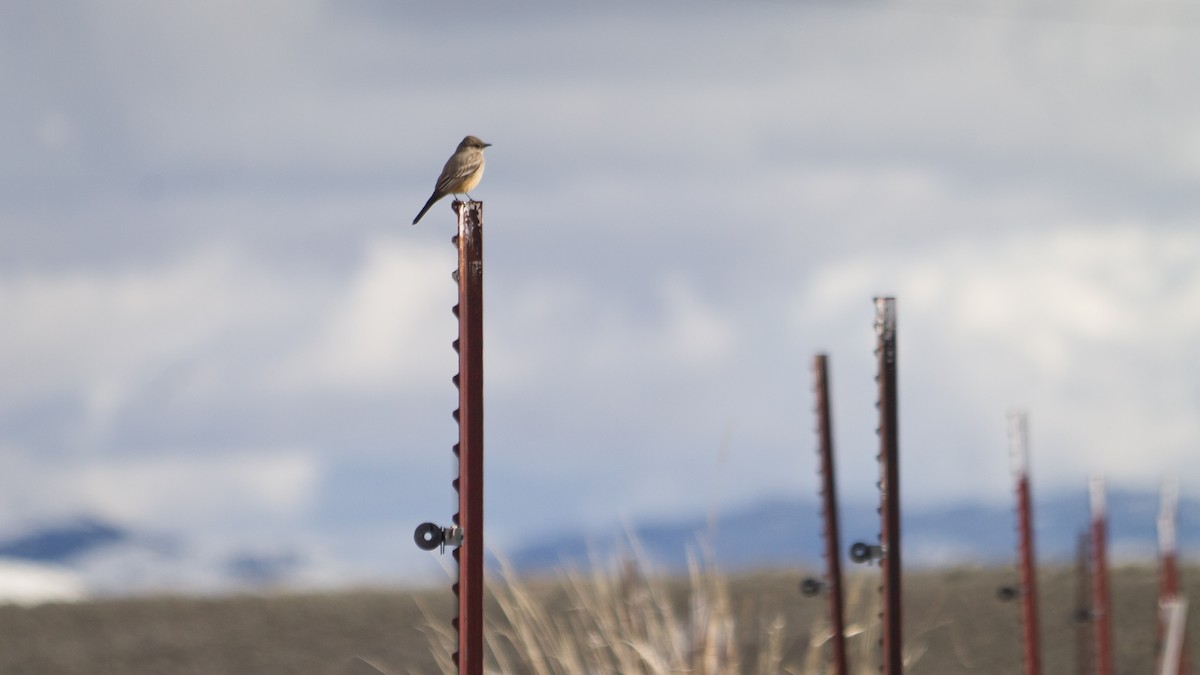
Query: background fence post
{"x": 1101, "y": 607}
{"x": 1018, "y": 438}
{"x": 829, "y": 511}
{"x": 1168, "y": 583}
{"x": 889, "y": 485}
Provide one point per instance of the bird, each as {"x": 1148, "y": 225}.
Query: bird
{"x": 461, "y": 173}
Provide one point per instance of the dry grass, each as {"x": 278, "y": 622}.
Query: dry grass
{"x": 625, "y": 620}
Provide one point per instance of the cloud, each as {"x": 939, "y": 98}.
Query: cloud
{"x": 265, "y": 483}
{"x": 204, "y": 244}
{"x": 100, "y": 336}
{"x": 1091, "y": 328}
{"x": 384, "y": 320}
{"x": 24, "y": 583}
{"x": 242, "y": 491}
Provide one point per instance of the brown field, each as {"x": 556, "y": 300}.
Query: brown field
{"x": 754, "y": 623}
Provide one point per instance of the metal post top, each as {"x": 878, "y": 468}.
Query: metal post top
{"x": 1096, "y": 494}
{"x": 1018, "y": 441}
{"x": 885, "y": 317}
{"x": 1168, "y": 507}
{"x": 470, "y": 218}
{"x": 472, "y": 206}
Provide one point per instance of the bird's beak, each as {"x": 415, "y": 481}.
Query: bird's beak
{"x": 487, "y": 145}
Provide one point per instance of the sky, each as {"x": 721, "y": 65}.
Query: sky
{"x": 218, "y": 322}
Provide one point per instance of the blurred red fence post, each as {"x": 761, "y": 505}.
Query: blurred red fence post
{"x": 1018, "y": 436}
{"x": 1083, "y": 606}
{"x": 1168, "y": 585}
{"x": 1101, "y": 607}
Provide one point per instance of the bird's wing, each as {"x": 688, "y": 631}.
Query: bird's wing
{"x": 458, "y": 168}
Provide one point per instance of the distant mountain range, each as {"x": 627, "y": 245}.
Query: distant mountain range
{"x": 97, "y": 556}
{"x": 62, "y": 543}
{"x": 89, "y": 555}
{"x": 787, "y": 532}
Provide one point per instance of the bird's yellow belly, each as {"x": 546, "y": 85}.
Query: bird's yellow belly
{"x": 469, "y": 182}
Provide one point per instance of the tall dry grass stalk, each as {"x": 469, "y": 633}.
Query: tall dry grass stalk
{"x": 621, "y": 620}
{"x": 862, "y": 631}
{"x": 615, "y": 621}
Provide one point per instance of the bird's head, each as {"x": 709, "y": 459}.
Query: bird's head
{"x": 473, "y": 142}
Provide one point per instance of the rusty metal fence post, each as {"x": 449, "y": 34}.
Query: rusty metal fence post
{"x": 829, "y": 511}
{"x": 1083, "y": 606}
{"x": 1018, "y": 437}
{"x": 889, "y": 484}
{"x": 466, "y": 533}
{"x": 470, "y": 437}
{"x": 1101, "y": 607}
{"x": 1168, "y": 583}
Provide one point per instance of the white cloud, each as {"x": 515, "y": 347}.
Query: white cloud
{"x": 682, "y": 331}
{"x": 278, "y": 484}
{"x": 244, "y": 489}
{"x": 1094, "y": 329}
{"x": 204, "y": 222}
{"x": 25, "y": 583}
{"x": 100, "y": 335}
{"x": 217, "y": 327}
{"x": 696, "y": 332}
{"x": 556, "y": 322}
{"x": 382, "y": 325}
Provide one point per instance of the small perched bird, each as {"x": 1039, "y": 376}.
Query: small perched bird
{"x": 461, "y": 173}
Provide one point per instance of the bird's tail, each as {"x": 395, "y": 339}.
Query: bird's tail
{"x": 432, "y": 199}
